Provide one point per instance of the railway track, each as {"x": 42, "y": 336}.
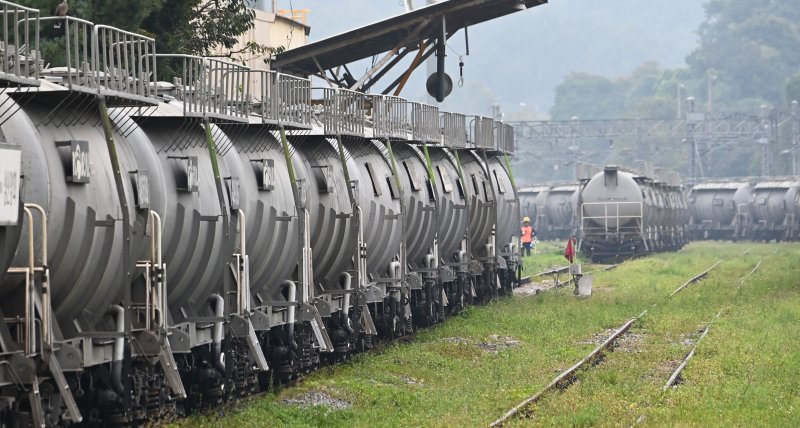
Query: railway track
{"x": 567, "y": 377}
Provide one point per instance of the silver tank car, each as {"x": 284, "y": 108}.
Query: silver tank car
{"x": 507, "y": 204}
{"x": 379, "y": 201}
{"x": 481, "y": 197}
{"x": 419, "y": 202}
{"x": 332, "y": 240}
{"x": 453, "y": 214}
{"x": 452, "y": 222}
{"x": 625, "y": 215}
{"x": 67, "y": 171}
{"x": 265, "y": 197}
{"x": 531, "y": 202}
{"x": 194, "y": 239}
{"x": 560, "y": 213}
{"x": 775, "y": 210}
{"x": 720, "y": 209}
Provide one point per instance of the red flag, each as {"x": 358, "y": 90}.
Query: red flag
{"x": 569, "y": 253}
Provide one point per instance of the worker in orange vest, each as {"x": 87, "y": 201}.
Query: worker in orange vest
{"x": 527, "y": 236}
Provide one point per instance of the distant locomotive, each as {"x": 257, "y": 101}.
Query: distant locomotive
{"x": 624, "y": 215}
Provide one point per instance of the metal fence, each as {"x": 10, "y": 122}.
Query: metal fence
{"x": 454, "y": 129}
{"x": 504, "y": 137}
{"x": 292, "y": 101}
{"x": 280, "y": 99}
{"x": 19, "y": 47}
{"x": 122, "y": 62}
{"x": 425, "y": 123}
{"x": 390, "y": 117}
{"x": 211, "y": 87}
{"x": 92, "y": 58}
{"x": 343, "y": 111}
{"x": 481, "y": 133}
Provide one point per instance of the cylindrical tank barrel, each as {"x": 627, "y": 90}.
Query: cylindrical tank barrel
{"x": 68, "y": 171}
{"x": 419, "y": 203}
{"x": 774, "y": 200}
{"x": 481, "y": 196}
{"x": 452, "y": 204}
{"x": 379, "y": 200}
{"x": 614, "y": 199}
{"x": 507, "y": 204}
{"x": 196, "y": 249}
{"x": 267, "y": 201}
{"x": 333, "y": 241}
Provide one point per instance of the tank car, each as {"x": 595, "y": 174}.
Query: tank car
{"x": 720, "y": 210}
{"x": 626, "y": 215}
{"x": 507, "y": 231}
{"x": 419, "y": 201}
{"x": 532, "y": 201}
{"x": 452, "y": 223}
{"x": 560, "y": 213}
{"x": 775, "y": 210}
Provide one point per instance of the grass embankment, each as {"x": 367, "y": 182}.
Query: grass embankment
{"x": 744, "y": 371}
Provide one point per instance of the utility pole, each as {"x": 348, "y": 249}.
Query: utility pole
{"x": 795, "y": 139}
{"x": 692, "y": 120}
{"x": 575, "y": 147}
{"x": 765, "y": 140}
{"x": 711, "y": 79}
{"x": 680, "y": 101}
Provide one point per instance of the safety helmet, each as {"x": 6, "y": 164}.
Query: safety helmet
{"x": 524, "y": 219}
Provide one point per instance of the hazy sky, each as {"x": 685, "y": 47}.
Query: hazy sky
{"x": 519, "y": 59}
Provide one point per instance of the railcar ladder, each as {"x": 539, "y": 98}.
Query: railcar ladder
{"x": 37, "y": 302}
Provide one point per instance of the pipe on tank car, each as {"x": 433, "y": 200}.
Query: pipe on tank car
{"x": 394, "y": 269}
{"x": 348, "y": 285}
{"x": 218, "y": 303}
{"x": 461, "y": 257}
{"x": 292, "y": 311}
{"x": 119, "y": 348}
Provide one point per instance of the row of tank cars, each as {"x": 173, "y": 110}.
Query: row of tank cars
{"x": 167, "y": 245}
{"x": 742, "y": 208}
{"x": 617, "y": 214}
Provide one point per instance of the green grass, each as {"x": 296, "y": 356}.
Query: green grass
{"x": 744, "y": 372}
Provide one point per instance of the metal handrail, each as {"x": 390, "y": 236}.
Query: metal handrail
{"x": 122, "y": 62}
{"x": 343, "y": 111}
{"x": 212, "y": 86}
{"x": 15, "y": 73}
{"x": 615, "y": 218}
{"x": 390, "y": 117}
{"x": 454, "y": 129}
{"x": 425, "y": 123}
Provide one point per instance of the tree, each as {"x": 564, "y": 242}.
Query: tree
{"x": 179, "y": 26}
{"x": 588, "y": 97}
{"x": 751, "y": 46}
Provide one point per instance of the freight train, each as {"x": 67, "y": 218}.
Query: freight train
{"x": 553, "y": 208}
{"x": 165, "y": 246}
{"x": 757, "y": 209}
{"x": 624, "y": 214}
